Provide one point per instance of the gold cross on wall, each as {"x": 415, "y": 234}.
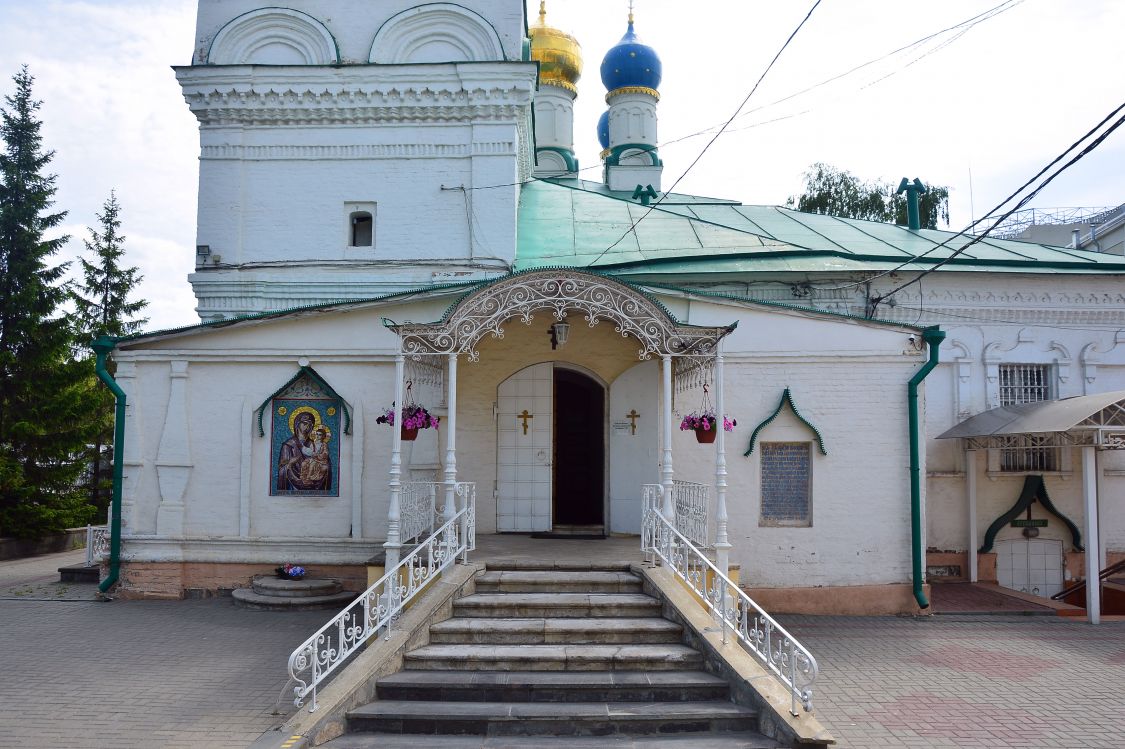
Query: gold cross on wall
{"x": 633, "y": 416}
{"x": 525, "y": 416}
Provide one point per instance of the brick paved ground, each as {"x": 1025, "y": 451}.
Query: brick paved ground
{"x": 987, "y": 682}
{"x": 83, "y": 674}
{"x": 80, "y": 674}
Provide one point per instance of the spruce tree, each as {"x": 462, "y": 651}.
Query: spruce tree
{"x": 45, "y": 395}
{"x": 104, "y": 309}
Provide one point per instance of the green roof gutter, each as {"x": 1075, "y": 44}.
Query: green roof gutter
{"x": 102, "y": 348}
{"x": 933, "y": 337}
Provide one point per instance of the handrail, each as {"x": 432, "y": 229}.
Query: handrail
{"x": 379, "y": 606}
{"x": 1109, "y": 571}
{"x": 788, "y": 660}
{"x": 97, "y": 543}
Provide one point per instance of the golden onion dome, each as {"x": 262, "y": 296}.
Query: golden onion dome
{"x": 559, "y": 54}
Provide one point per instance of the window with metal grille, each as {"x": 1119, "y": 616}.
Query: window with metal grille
{"x": 1024, "y": 383}
{"x": 786, "y": 484}
{"x": 1027, "y": 383}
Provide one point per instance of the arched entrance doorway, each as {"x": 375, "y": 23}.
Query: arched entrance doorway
{"x": 550, "y": 438}
{"x": 579, "y": 465}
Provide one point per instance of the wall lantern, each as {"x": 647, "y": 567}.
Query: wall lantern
{"x": 560, "y": 333}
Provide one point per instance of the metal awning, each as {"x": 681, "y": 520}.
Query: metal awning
{"x": 1082, "y": 420}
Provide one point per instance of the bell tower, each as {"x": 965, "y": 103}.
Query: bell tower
{"x": 341, "y": 145}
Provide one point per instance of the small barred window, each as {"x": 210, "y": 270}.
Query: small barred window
{"x": 1027, "y": 383}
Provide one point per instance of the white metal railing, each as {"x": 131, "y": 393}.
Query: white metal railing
{"x": 379, "y": 606}
{"x": 418, "y": 509}
{"x": 788, "y": 660}
{"x": 97, "y": 544}
{"x": 691, "y": 501}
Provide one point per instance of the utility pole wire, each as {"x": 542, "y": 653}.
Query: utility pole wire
{"x": 722, "y": 129}
{"x": 1024, "y": 201}
{"x": 993, "y": 212}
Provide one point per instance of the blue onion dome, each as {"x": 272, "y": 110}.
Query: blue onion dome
{"x": 631, "y": 64}
{"x": 603, "y": 129}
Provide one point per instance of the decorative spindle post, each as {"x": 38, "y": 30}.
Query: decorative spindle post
{"x": 451, "y": 442}
{"x": 722, "y": 544}
{"x": 668, "y": 510}
{"x": 393, "y": 545}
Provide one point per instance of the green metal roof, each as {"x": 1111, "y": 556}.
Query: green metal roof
{"x": 572, "y": 222}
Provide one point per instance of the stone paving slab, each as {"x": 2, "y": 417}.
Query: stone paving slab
{"x": 81, "y": 674}
{"x": 86, "y": 674}
{"x": 985, "y": 682}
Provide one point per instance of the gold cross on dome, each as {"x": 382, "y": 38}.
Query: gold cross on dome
{"x": 632, "y": 416}
{"x": 525, "y": 416}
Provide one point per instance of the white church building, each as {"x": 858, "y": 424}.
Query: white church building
{"x": 390, "y": 214}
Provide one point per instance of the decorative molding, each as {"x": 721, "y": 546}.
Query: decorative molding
{"x": 486, "y": 310}
{"x": 258, "y": 36}
{"x": 786, "y": 398}
{"x": 1093, "y": 355}
{"x": 963, "y": 370}
{"x": 318, "y": 96}
{"x": 430, "y": 33}
{"x": 626, "y": 90}
{"x": 355, "y": 152}
{"x": 173, "y": 457}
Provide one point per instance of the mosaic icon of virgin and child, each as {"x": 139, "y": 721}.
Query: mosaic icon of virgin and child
{"x": 304, "y": 462}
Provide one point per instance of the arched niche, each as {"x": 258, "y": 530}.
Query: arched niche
{"x": 436, "y": 32}
{"x": 273, "y": 36}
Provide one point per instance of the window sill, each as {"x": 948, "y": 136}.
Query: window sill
{"x": 993, "y": 475}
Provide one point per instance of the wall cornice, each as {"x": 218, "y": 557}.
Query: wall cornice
{"x": 250, "y": 95}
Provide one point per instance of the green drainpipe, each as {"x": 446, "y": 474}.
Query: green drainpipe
{"x": 933, "y": 337}
{"x": 102, "y": 348}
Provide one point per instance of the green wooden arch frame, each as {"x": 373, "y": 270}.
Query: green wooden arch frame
{"x": 1033, "y": 489}
{"x": 312, "y": 375}
{"x": 786, "y": 397}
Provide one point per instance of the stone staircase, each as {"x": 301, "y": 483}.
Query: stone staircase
{"x": 568, "y": 658}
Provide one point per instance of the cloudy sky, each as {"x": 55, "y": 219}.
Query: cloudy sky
{"x": 997, "y": 101}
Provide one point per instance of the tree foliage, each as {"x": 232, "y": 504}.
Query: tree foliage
{"x": 46, "y": 395}
{"x": 104, "y": 308}
{"x": 838, "y": 192}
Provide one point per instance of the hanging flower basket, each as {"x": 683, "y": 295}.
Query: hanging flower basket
{"x": 706, "y": 436}
{"x": 414, "y": 417}
{"x": 705, "y": 423}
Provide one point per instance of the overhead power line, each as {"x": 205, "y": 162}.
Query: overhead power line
{"x": 741, "y": 106}
{"x": 1097, "y": 141}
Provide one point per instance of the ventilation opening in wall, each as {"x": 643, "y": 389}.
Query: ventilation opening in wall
{"x": 362, "y": 229}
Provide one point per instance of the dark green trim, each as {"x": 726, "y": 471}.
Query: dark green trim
{"x": 312, "y": 375}
{"x": 933, "y": 336}
{"x": 786, "y": 397}
{"x": 319, "y": 306}
{"x": 1034, "y": 488}
{"x": 566, "y": 153}
{"x": 614, "y": 158}
{"x": 779, "y": 305}
{"x": 102, "y": 347}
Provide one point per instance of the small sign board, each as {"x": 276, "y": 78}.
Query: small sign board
{"x": 1030, "y": 523}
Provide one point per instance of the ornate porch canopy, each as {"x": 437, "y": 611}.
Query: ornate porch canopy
{"x": 487, "y": 309}
{"x": 1097, "y": 420}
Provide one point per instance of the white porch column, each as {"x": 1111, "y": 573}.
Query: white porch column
{"x": 1090, "y": 495}
{"x": 722, "y": 544}
{"x": 668, "y": 509}
{"x": 451, "y": 441}
{"x": 971, "y": 490}
{"x": 393, "y": 545}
